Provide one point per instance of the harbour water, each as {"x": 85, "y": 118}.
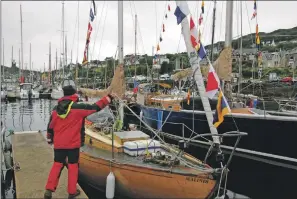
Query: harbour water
{"x": 31, "y": 116}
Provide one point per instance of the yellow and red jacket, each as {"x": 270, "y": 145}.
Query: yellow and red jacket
{"x": 66, "y": 126}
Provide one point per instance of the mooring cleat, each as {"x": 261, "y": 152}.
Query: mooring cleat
{"x": 72, "y": 196}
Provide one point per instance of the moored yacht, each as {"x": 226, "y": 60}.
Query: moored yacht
{"x": 26, "y": 91}
{"x": 57, "y": 91}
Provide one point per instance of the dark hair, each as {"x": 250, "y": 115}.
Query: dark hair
{"x": 69, "y": 90}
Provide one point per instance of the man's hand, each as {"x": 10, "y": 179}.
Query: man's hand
{"x": 49, "y": 138}
{"x": 111, "y": 96}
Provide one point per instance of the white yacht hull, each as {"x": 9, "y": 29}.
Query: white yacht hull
{"x": 11, "y": 94}
{"x": 24, "y": 94}
{"x": 57, "y": 94}
{"x": 3, "y": 95}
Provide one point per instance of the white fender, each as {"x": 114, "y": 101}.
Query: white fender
{"x": 110, "y": 185}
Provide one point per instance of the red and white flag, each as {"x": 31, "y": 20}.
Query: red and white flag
{"x": 194, "y": 33}
{"x": 213, "y": 83}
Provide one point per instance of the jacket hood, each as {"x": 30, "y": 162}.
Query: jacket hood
{"x": 64, "y": 105}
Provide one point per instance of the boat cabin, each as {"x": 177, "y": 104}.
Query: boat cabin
{"x": 149, "y": 95}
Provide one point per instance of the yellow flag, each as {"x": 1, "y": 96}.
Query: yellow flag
{"x": 258, "y": 40}
{"x": 189, "y": 96}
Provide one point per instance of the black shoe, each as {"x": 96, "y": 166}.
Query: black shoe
{"x": 71, "y": 196}
{"x": 48, "y": 194}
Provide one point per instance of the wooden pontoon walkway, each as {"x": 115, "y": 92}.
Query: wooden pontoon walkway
{"x": 35, "y": 158}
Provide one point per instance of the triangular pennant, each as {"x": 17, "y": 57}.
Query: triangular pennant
{"x": 169, "y": 8}
{"x": 158, "y": 47}
{"x": 163, "y": 28}
{"x": 165, "y": 16}
{"x": 202, "y": 7}
{"x": 161, "y": 39}
{"x": 192, "y": 24}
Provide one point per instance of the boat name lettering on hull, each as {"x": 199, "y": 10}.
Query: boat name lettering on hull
{"x": 194, "y": 179}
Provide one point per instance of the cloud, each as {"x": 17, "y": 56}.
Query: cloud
{"x": 42, "y": 24}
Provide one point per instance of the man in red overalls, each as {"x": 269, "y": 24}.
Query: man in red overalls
{"x": 66, "y": 131}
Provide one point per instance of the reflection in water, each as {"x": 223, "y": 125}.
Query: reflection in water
{"x": 27, "y": 116}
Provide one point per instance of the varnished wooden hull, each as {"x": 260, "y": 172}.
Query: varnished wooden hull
{"x": 141, "y": 182}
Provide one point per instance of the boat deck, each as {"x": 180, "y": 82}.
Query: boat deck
{"x": 35, "y": 158}
{"x": 123, "y": 158}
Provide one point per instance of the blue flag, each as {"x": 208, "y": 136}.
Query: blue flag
{"x": 201, "y": 51}
{"x": 91, "y": 15}
{"x": 181, "y": 11}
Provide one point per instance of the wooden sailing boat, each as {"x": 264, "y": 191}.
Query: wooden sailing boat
{"x": 142, "y": 167}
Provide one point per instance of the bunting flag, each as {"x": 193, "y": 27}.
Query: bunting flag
{"x": 85, "y": 60}
{"x": 169, "y": 8}
{"x": 200, "y": 19}
{"x": 188, "y": 97}
{"x": 165, "y": 16}
{"x": 194, "y": 33}
{"x": 259, "y": 58}
{"x": 199, "y": 40}
{"x": 213, "y": 83}
{"x": 181, "y": 11}
{"x": 161, "y": 39}
{"x": 94, "y": 5}
{"x": 255, "y": 10}
{"x": 163, "y": 28}
{"x": 201, "y": 52}
{"x": 221, "y": 110}
{"x": 202, "y": 7}
{"x": 91, "y": 15}
{"x": 158, "y": 47}
{"x": 136, "y": 84}
{"x": 257, "y": 37}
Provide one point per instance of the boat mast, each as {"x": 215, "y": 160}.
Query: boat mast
{"x": 121, "y": 47}
{"x": 228, "y": 44}
{"x": 11, "y": 55}
{"x": 213, "y": 29}
{"x": 20, "y": 72}
{"x": 3, "y": 72}
{"x": 63, "y": 39}
{"x": 56, "y": 66}
{"x": 198, "y": 77}
{"x": 66, "y": 51}
{"x": 120, "y": 32}
{"x": 76, "y": 68}
{"x": 30, "y": 66}
{"x": 240, "y": 58}
{"x": 1, "y": 87}
{"x": 22, "y": 52}
{"x": 135, "y": 47}
{"x": 50, "y": 64}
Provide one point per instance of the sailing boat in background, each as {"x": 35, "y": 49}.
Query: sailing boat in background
{"x": 3, "y": 90}
{"x": 25, "y": 90}
{"x": 57, "y": 91}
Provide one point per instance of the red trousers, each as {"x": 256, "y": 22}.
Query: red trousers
{"x": 59, "y": 162}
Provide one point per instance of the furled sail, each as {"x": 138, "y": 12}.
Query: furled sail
{"x": 222, "y": 66}
{"x": 183, "y": 74}
{"x": 117, "y": 86}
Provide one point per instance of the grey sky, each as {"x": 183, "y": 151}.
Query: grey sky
{"x": 42, "y": 22}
